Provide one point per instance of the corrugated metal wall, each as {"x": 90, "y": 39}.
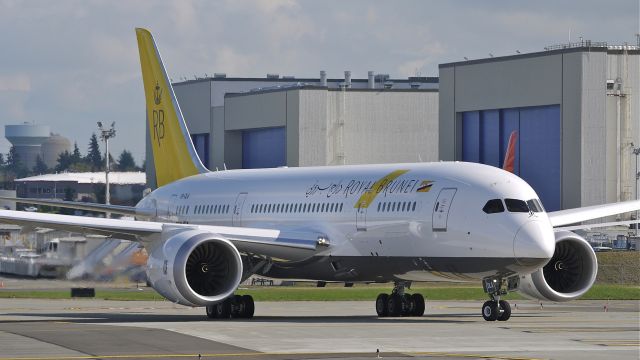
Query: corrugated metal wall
{"x": 485, "y": 137}
{"x": 264, "y": 148}
{"x": 367, "y": 127}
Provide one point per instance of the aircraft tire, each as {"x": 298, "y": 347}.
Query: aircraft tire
{"x": 237, "y": 307}
{"x": 381, "y": 305}
{"x": 419, "y": 307}
{"x": 408, "y": 305}
{"x": 223, "y": 309}
{"x": 249, "y": 306}
{"x": 394, "y": 305}
{"x": 490, "y": 310}
{"x": 506, "y": 310}
{"x": 211, "y": 311}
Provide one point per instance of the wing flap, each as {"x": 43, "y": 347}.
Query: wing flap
{"x": 574, "y": 216}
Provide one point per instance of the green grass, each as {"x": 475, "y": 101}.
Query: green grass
{"x": 331, "y": 293}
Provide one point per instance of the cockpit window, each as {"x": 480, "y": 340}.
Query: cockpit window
{"x": 493, "y": 206}
{"x": 535, "y": 205}
{"x": 515, "y": 205}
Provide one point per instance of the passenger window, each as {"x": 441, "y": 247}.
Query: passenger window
{"x": 341, "y": 206}
{"x": 493, "y": 206}
{"x": 515, "y": 205}
{"x": 413, "y": 207}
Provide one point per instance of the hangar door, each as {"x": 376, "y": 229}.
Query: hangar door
{"x": 485, "y": 137}
{"x": 264, "y": 148}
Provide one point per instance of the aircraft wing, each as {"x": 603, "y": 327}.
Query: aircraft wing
{"x": 574, "y": 216}
{"x": 282, "y": 244}
{"x": 114, "y": 209}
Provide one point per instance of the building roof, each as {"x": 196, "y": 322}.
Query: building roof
{"x": 584, "y": 46}
{"x": 120, "y": 178}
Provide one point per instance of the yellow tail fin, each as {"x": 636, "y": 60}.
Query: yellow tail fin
{"x": 174, "y": 156}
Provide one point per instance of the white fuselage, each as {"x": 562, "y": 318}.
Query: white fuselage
{"x": 421, "y": 221}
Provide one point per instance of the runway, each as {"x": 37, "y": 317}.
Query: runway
{"x": 97, "y": 329}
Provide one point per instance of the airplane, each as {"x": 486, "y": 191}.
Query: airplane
{"x": 206, "y": 232}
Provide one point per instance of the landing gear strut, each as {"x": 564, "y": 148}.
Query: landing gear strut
{"x": 400, "y": 303}
{"x": 235, "y": 306}
{"x": 496, "y": 309}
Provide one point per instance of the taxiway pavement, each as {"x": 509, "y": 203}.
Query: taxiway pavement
{"x": 92, "y": 329}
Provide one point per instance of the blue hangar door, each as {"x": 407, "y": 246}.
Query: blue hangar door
{"x": 264, "y": 148}
{"x": 485, "y": 136}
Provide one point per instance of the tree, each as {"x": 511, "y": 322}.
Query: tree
{"x": 40, "y": 167}
{"x": 76, "y": 157}
{"x": 2, "y": 163}
{"x": 94, "y": 158}
{"x": 64, "y": 162}
{"x": 14, "y": 164}
{"x": 126, "y": 162}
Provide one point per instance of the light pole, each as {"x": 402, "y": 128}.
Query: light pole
{"x": 636, "y": 152}
{"x": 106, "y": 134}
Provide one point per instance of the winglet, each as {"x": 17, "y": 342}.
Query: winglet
{"x": 174, "y": 155}
{"x": 510, "y": 156}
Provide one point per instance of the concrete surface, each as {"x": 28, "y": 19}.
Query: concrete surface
{"x": 87, "y": 329}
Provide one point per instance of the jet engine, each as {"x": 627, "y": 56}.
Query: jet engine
{"x": 568, "y": 275}
{"x": 194, "y": 268}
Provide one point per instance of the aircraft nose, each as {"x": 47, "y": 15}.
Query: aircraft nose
{"x": 534, "y": 241}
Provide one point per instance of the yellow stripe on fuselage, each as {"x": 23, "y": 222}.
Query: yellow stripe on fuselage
{"x": 171, "y": 155}
{"x": 367, "y": 198}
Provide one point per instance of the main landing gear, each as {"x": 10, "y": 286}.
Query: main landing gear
{"x": 400, "y": 303}
{"x": 496, "y": 309}
{"x": 235, "y": 306}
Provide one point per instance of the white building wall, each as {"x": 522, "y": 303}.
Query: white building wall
{"x": 367, "y": 127}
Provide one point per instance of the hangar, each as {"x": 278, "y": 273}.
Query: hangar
{"x": 575, "y": 107}
{"x": 285, "y": 121}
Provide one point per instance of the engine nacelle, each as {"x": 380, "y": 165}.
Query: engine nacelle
{"x": 194, "y": 268}
{"x": 568, "y": 275}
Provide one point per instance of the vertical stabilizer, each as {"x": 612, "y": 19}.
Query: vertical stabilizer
{"x": 174, "y": 156}
{"x": 510, "y": 156}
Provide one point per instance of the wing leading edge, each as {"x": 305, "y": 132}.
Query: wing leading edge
{"x": 282, "y": 244}
{"x": 114, "y": 209}
{"x": 574, "y": 216}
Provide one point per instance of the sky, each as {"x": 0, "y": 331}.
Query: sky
{"x": 69, "y": 64}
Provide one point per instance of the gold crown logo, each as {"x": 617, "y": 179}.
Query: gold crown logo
{"x": 157, "y": 94}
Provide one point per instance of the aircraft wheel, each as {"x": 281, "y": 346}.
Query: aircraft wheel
{"x": 505, "y": 313}
{"x": 237, "y": 307}
{"x": 211, "y": 311}
{"x": 418, "y": 309}
{"x": 249, "y": 306}
{"x": 381, "y": 305}
{"x": 223, "y": 309}
{"x": 408, "y": 305}
{"x": 490, "y": 310}
{"x": 394, "y": 305}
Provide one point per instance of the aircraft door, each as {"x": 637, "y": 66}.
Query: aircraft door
{"x": 361, "y": 214}
{"x": 441, "y": 209}
{"x": 237, "y": 209}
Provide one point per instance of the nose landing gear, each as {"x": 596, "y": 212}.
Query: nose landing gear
{"x": 400, "y": 303}
{"x": 496, "y": 309}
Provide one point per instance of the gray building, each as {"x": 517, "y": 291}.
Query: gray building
{"x": 575, "y": 108}
{"x": 314, "y": 126}
{"x": 310, "y": 121}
